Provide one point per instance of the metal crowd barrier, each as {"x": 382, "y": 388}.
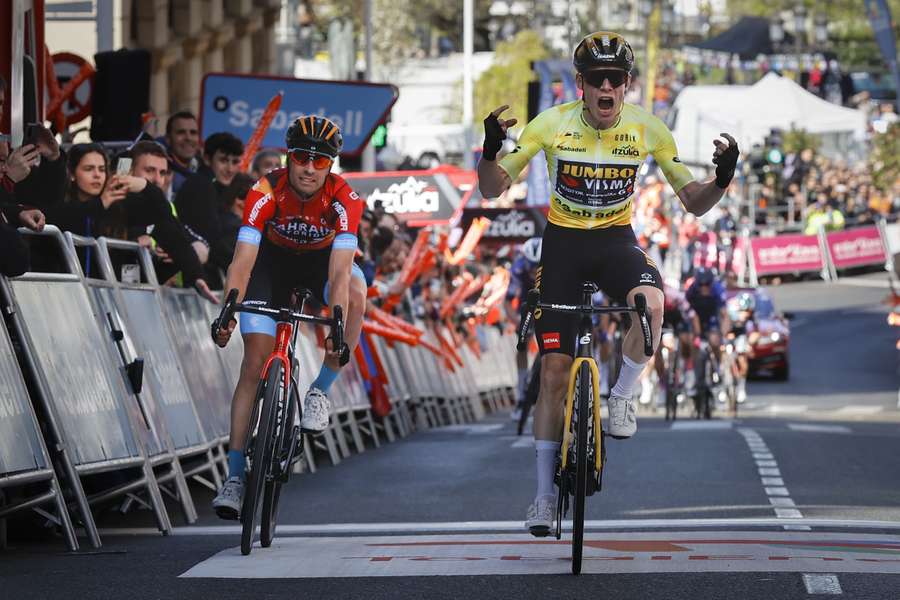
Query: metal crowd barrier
{"x": 127, "y": 379}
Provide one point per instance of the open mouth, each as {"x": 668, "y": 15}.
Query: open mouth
{"x": 605, "y": 103}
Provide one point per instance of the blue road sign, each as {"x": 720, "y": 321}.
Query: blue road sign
{"x": 235, "y": 103}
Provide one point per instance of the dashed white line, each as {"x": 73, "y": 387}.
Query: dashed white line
{"x": 770, "y": 476}
{"x": 822, "y": 584}
{"x": 813, "y": 428}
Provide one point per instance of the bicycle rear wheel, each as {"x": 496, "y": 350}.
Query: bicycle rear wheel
{"x": 272, "y": 487}
{"x": 263, "y": 449}
{"x": 583, "y": 388}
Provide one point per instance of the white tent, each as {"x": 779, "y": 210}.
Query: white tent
{"x": 701, "y": 113}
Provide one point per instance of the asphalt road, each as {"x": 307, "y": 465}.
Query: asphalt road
{"x": 783, "y": 501}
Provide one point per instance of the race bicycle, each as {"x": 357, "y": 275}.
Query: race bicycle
{"x": 581, "y": 445}
{"x": 277, "y": 444}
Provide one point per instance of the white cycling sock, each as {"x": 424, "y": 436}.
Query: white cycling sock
{"x": 627, "y": 376}
{"x": 545, "y": 451}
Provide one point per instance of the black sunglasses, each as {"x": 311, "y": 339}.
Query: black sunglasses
{"x": 595, "y": 78}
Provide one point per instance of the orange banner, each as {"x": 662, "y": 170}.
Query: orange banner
{"x": 468, "y": 243}
{"x": 389, "y": 320}
{"x": 409, "y": 272}
{"x": 259, "y": 133}
{"x": 388, "y": 333}
{"x": 460, "y": 287}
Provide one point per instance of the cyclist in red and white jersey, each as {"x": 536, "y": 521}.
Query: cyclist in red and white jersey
{"x": 299, "y": 231}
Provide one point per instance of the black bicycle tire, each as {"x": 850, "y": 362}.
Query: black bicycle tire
{"x": 583, "y": 389}
{"x": 262, "y": 455}
{"x": 272, "y": 487}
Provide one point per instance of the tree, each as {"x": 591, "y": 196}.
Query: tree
{"x": 884, "y": 160}
{"x": 506, "y": 81}
{"x": 796, "y": 140}
{"x": 850, "y": 33}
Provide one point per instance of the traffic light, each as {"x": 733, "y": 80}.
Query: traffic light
{"x": 379, "y": 138}
{"x": 774, "y": 147}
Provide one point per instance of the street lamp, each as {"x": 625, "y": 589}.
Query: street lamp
{"x": 821, "y": 30}
{"x": 799, "y": 26}
{"x": 776, "y": 32}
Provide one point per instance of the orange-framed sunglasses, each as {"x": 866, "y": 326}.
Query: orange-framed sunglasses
{"x": 301, "y": 157}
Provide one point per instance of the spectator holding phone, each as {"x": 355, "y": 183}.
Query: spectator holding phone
{"x": 96, "y": 204}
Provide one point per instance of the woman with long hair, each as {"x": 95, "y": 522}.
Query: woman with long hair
{"x": 119, "y": 206}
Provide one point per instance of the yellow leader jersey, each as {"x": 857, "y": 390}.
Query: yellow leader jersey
{"x": 592, "y": 172}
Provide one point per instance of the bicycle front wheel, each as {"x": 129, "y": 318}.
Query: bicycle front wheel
{"x": 263, "y": 449}
{"x": 272, "y": 487}
{"x": 583, "y": 389}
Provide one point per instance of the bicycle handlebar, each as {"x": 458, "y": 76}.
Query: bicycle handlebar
{"x": 231, "y": 306}
{"x": 533, "y": 303}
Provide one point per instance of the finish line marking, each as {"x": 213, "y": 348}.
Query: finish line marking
{"x": 512, "y": 526}
{"x": 522, "y": 554}
{"x": 784, "y": 506}
{"x": 822, "y": 584}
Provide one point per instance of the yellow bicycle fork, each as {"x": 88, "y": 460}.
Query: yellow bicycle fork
{"x": 570, "y": 406}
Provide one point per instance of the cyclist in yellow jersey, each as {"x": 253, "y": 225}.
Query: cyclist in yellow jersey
{"x": 594, "y": 149}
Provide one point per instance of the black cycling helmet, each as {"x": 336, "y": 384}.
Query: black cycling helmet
{"x": 603, "y": 49}
{"x": 315, "y": 134}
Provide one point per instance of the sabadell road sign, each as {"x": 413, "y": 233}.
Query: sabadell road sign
{"x": 235, "y": 103}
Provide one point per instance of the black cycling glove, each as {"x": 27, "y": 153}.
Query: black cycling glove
{"x": 725, "y": 165}
{"x": 493, "y": 137}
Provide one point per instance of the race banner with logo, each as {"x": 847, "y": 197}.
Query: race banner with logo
{"x": 855, "y": 247}
{"x": 508, "y": 225}
{"x": 416, "y": 198}
{"x": 790, "y": 253}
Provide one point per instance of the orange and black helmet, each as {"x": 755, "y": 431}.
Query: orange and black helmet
{"x": 603, "y": 49}
{"x": 315, "y": 134}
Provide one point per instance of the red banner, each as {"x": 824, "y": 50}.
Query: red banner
{"x": 855, "y": 247}
{"x": 786, "y": 254}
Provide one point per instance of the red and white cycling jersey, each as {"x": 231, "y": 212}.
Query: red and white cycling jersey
{"x": 277, "y": 212}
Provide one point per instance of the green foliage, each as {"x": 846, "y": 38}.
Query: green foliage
{"x": 884, "y": 160}
{"x": 849, "y": 30}
{"x": 796, "y": 140}
{"x": 506, "y": 81}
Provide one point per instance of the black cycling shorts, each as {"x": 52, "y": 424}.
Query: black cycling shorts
{"x": 609, "y": 257}
{"x": 275, "y": 275}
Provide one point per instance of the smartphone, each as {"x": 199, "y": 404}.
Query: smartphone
{"x": 123, "y": 167}
{"x": 31, "y": 134}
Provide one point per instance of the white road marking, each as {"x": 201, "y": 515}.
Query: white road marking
{"x": 772, "y": 481}
{"x": 694, "y": 425}
{"x": 788, "y": 513}
{"x": 525, "y": 442}
{"x": 822, "y": 584}
{"x": 468, "y": 429}
{"x": 790, "y": 409}
{"x": 769, "y": 472}
{"x": 859, "y": 410}
{"x": 511, "y": 526}
{"x": 766, "y": 463}
{"x": 781, "y": 501}
{"x": 763, "y": 455}
{"x": 813, "y": 428}
{"x": 521, "y": 554}
{"x": 777, "y": 491}
{"x": 797, "y": 528}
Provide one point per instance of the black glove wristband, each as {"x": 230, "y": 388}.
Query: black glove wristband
{"x": 493, "y": 138}
{"x": 723, "y": 179}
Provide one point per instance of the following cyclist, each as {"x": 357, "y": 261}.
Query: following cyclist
{"x": 594, "y": 148}
{"x": 744, "y": 333}
{"x": 299, "y": 231}
{"x": 522, "y": 275}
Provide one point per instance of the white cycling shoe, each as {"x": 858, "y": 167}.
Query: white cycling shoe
{"x": 228, "y": 503}
{"x": 540, "y": 516}
{"x": 622, "y": 419}
{"x": 316, "y": 408}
